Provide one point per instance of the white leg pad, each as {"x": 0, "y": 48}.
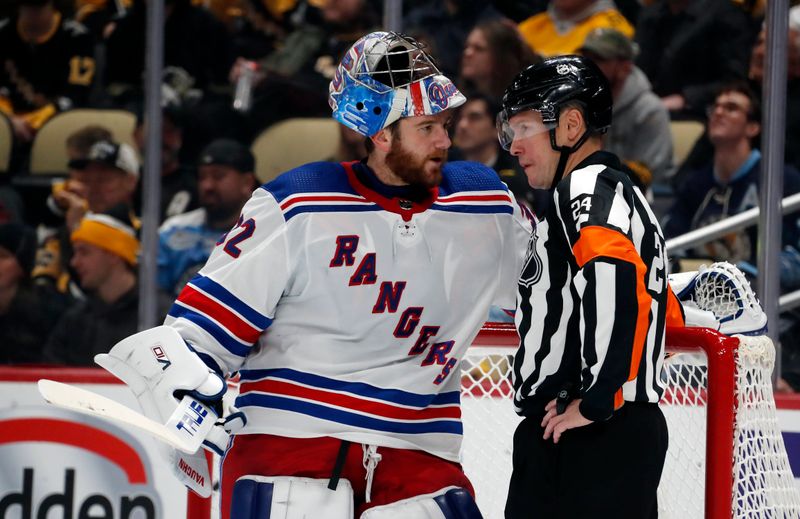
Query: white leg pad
{"x": 283, "y": 497}
{"x": 447, "y": 503}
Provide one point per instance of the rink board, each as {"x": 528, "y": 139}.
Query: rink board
{"x": 53, "y": 457}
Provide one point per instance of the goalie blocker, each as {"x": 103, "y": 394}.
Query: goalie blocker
{"x": 160, "y": 369}
{"x": 181, "y": 399}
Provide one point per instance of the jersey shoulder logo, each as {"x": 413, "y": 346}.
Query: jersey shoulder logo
{"x": 532, "y": 268}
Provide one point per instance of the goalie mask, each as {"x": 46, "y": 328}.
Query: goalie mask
{"x": 385, "y": 76}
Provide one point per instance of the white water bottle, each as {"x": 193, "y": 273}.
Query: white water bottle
{"x": 244, "y": 86}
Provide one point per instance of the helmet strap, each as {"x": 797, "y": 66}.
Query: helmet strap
{"x": 398, "y": 105}
{"x": 565, "y": 152}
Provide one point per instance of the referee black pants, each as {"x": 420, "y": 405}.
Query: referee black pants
{"x": 603, "y": 470}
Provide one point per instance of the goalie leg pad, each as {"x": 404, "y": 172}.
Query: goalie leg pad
{"x": 447, "y": 503}
{"x": 283, "y": 497}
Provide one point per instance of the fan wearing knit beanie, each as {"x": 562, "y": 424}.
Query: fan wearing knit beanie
{"x": 105, "y": 254}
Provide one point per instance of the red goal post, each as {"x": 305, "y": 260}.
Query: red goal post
{"x": 726, "y": 457}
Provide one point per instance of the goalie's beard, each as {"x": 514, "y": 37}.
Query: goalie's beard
{"x": 424, "y": 172}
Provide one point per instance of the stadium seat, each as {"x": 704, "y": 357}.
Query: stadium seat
{"x": 684, "y": 135}
{"x": 6, "y": 143}
{"x": 49, "y": 152}
{"x": 293, "y": 142}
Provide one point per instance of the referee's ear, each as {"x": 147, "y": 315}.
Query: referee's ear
{"x": 574, "y": 124}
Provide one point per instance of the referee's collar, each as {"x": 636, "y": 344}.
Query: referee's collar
{"x": 600, "y": 157}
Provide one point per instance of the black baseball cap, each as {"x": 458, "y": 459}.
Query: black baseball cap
{"x": 228, "y": 152}
{"x": 117, "y": 155}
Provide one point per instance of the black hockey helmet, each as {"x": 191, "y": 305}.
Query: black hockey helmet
{"x": 547, "y": 86}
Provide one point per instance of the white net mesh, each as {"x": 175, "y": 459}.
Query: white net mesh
{"x": 489, "y": 422}
{"x": 763, "y": 488}
{"x": 722, "y": 297}
{"x": 764, "y": 485}
{"x": 684, "y": 407}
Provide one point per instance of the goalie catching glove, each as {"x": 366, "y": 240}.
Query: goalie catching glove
{"x": 174, "y": 387}
{"x": 719, "y": 297}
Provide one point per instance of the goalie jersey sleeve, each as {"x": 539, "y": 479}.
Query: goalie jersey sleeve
{"x": 345, "y": 313}
{"x": 596, "y": 284}
{"x": 223, "y": 309}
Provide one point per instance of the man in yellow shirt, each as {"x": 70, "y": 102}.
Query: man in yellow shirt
{"x": 562, "y": 28}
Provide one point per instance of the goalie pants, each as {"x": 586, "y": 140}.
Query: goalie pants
{"x": 604, "y": 469}
{"x": 400, "y": 474}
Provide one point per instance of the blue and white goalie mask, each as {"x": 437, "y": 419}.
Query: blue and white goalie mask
{"x": 385, "y": 76}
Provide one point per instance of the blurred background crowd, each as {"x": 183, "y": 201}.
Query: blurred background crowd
{"x": 244, "y": 96}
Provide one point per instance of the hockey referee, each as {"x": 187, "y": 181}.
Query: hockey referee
{"x": 593, "y": 303}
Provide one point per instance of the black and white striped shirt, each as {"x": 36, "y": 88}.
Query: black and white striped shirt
{"x": 593, "y": 296}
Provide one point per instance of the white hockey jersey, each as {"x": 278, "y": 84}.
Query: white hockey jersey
{"x": 346, "y": 313}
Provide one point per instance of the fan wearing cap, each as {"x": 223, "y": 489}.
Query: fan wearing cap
{"x": 68, "y": 202}
{"x": 640, "y": 135}
{"x": 109, "y": 175}
{"x": 226, "y": 180}
{"x": 105, "y": 257}
{"x": 345, "y": 295}
{"x": 103, "y": 176}
{"x": 594, "y": 302}
{"x": 28, "y": 312}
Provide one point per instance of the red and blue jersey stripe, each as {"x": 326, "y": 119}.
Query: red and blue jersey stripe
{"x": 355, "y": 404}
{"x": 325, "y": 203}
{"x": 231, "y": 322}
{"x": 482, "y": 202}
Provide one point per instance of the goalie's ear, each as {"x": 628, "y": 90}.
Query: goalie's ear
{"x": 383, "y": 140}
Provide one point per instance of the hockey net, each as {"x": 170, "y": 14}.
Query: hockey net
{"x": 726, "y": 455}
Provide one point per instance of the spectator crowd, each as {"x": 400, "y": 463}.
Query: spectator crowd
{"x": 69, "y": 240}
